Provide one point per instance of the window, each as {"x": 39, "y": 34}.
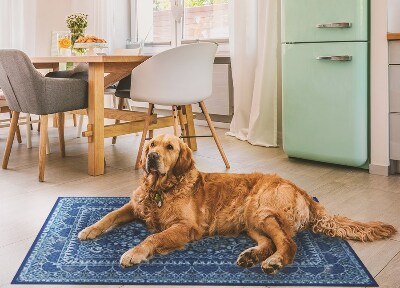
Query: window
{"x": 161, "y": 21}
{"x": 201, "y": 20}
{"x": 205, "y": 19}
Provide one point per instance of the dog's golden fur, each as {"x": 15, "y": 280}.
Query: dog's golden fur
{"x": 181, "y": 204}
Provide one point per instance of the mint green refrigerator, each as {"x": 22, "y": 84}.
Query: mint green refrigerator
{"x": 325, "y": 46}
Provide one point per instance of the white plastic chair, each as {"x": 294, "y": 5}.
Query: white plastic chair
{"x": 176, "y": 77}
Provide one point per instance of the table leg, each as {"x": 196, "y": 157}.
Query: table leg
{"x": 189, "y": 127}
{"x": 56, "y": 67}
{"x": 96, "y": 119}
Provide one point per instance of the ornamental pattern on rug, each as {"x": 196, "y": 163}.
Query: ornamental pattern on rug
{"x": 57, "y": 256}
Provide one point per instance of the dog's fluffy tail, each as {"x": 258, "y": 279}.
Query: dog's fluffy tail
{"x": 339, "y": 226}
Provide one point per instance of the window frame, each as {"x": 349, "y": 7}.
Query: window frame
{"x": 176, "y": 31}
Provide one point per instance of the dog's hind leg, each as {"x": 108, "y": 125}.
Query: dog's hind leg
{"x": 254, "y": 255}
{"x": 123, "y": 215}
{"x": 279, "y": 231}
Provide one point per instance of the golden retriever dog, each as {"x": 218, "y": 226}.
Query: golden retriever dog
{"x": 180, "y": 204}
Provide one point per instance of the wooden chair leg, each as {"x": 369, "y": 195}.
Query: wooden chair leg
{"x": 10, "y": 138}
{"x": 181, "y": 122}
{"x": 145, "y": 128}
{"x": 175, "y": 117}
{"x": 17, "y": 131}
{"x": 151, "y": 133}
{"x": 44, "y": 119}
{"x": 190, "y": 129}
{"x": 48, "y": 150}
{"x": 214, "y": 133}
{"x": 74, "y": 119}
{"x": 120, "y": 107}
{"x": 55, "y": 121}
{"x": 61, "y": 123}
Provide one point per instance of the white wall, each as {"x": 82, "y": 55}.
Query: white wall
{"x": 50, "y": 17}
{"x": 394, "y": 16}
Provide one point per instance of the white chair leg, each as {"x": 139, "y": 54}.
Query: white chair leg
{"x": 114, "y": 98}
{"x": 28, "y": 131}
{"x": 127, "y": 104}
{"x": 80, "y": 124}
{"x": 48, "y": 151}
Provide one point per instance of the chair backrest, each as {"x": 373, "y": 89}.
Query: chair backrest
{"x": 178, "y": 76}
{"x": 21, "y": 82}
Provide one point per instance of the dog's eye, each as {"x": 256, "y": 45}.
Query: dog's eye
{"x": 170, "y": 147}
{"x": 152, "y": 144}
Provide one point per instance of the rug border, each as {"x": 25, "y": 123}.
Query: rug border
{"x": 15, "y": 281}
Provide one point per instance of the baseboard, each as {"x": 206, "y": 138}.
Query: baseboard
{"x": 379, "y": 170}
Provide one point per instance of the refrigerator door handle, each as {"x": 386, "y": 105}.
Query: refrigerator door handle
{"x": 335, "y": 25}
{"x": 335, "y": 58}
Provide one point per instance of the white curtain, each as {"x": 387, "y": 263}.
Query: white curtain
{"x": 254, "y": 48}
{"x": 18, "y": 25}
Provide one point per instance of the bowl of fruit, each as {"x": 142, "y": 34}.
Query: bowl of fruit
{"x": 90, "y": 43}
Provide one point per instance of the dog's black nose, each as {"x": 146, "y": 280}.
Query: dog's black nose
{"x": 153, "y": 156}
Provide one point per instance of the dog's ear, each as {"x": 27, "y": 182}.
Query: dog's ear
{"x": 185, "y": 160}
{"x": 142, "y": 163}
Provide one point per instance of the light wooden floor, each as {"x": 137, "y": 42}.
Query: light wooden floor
{"x": 25, "y": 203}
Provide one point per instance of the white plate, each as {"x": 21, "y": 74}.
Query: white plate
{"x": 90, "y": 45}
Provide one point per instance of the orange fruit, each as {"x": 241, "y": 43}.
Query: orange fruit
{"x": 64, "y": 43}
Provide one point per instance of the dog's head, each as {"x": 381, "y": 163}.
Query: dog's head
{"x": 167, "y": 154}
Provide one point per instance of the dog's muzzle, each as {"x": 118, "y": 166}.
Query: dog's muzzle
{"x": 152, "y": 161}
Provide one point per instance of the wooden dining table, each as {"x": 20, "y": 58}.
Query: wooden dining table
{"x": 103, "y": 72}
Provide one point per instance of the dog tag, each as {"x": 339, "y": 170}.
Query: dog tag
{"x": 158, "y": 199}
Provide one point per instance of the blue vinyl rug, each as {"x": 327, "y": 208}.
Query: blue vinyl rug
{"x": 58, "y": 257}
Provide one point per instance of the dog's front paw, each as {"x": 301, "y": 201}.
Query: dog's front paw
{"x": 249, "y": 258}
{"x": 133, "y": 256}
{"x": 272, "y": 265}
{"x": 89, "y": 233}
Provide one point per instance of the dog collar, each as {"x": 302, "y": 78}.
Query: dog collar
{"x": 158, "y": 198}
{"x": 158, "y": 195}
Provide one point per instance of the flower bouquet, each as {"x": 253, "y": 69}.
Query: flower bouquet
{"x": 77, "y": 24}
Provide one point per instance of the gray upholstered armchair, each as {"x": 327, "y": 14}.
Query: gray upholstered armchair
{"x": 27, "y": 91}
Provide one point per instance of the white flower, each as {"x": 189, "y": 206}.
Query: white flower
{"x": 77, "y": 21}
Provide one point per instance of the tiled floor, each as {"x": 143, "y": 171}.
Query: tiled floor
{"x": 25, "y": 203}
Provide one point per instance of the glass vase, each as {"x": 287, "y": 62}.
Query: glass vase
{"x": 64, "y": 44}
{"x": 75, "y": 34}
